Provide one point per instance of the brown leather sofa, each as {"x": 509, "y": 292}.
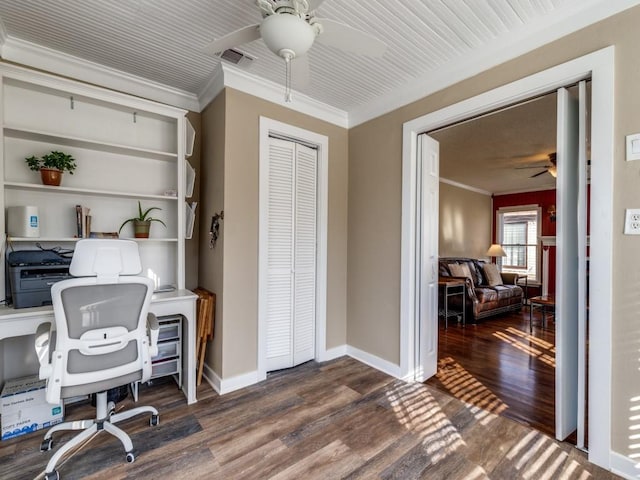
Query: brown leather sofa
{"x": 484, "y": 300}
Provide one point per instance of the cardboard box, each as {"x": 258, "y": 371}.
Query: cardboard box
{"x": 24, "y": 407}
{"x": 22, "y": 392}
{"x": 30, "y": 419}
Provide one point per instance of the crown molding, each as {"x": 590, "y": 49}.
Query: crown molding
{"x": 464, "y": 186}
{"x": 564, "y": 21}
{"x": 273, "y": 92}
{"x": 42, "y": 58}
{"x": 523, "y": 190}
{"x": 213, "y": 87}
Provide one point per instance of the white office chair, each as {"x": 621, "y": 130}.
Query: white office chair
{"x": 104, "y": 338}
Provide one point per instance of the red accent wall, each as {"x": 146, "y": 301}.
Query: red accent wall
{"x": 543, "y": 198}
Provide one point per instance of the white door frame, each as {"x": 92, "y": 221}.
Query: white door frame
{"x": 268, "y": 126}
{"x": 599, "y": 66}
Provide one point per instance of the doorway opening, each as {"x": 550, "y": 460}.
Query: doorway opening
{"x": 419, "y": 320}
{"x": 498, "y": 187}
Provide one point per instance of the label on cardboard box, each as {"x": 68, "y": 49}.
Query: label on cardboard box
{"x": 30, "y": 419}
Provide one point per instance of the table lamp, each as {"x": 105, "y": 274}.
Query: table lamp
{"x": 496, "y": 250}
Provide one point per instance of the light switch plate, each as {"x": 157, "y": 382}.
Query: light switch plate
{"x": 632, "y": 221}
{"x": 633, "y": 147}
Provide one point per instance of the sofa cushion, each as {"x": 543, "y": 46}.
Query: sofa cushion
{"x": 461, "y": 270}
{"x": 486, "y": 295}
{"x": 492, "y": 274}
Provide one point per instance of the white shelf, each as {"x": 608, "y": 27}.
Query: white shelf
{"x": 83, "y": 191}
{"x": 39, "y": 136}
{"x": 75, "y": 239}
{"x": 127, "y": 149}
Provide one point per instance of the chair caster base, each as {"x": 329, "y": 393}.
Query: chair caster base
{"x": 46, "y": 445}
{"x": 154, "y": 420}
{"x": 131, "y": 457}
{"x": 54, "y": 475}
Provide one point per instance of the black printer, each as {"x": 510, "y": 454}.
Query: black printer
{"x": 30, "y": 276}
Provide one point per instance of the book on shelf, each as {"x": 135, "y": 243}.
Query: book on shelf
{"x": 83, "y": 221}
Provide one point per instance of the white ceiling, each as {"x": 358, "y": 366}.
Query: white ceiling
{"x": 153, "y": 48}
{"x": 497, "y": 153}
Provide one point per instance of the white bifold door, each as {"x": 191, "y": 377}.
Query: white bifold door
{"x": 291, "y": 251}
{"x": 571, "y": 249}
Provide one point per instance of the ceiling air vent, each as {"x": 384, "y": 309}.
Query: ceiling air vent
{"x": 236, "y": 57}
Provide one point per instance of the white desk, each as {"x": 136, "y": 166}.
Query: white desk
{"x": 25, "y": 321}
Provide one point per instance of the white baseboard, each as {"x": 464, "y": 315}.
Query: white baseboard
{"x": 335, "y": 352}
{"x": 222, "y": 386}
{"x": 624, "y": 466}
{"x": 228, "y": 385}
{"x": 373, "y": 361}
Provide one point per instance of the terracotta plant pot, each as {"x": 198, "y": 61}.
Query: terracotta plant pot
{"x": 51, "y": 176}
{"x": 141, "y": 228}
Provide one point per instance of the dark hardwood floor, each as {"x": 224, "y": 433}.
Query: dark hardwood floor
{"x": 497, "y": 365}
{"x": 339, "y": 419}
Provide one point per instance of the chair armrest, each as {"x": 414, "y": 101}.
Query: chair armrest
{"x": 153, "y": 329}
{"x": 42, "y": 345}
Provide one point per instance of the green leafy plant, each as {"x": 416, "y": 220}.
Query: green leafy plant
{"x": 56, "y": 160}
{"x": 143, "y": 216}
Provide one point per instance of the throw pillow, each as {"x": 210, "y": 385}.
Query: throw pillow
{"x": 492, "y": 274}
{"x": 460, "y": 270}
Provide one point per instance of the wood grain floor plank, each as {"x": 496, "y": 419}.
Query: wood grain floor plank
{"x": 333, "y": 461}
{"x": 240, "y": 441}
{"x": 338, "y": 419}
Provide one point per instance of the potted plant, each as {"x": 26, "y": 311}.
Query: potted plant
{"x": 51, "y": 166}
{"x": 142, "y": 223}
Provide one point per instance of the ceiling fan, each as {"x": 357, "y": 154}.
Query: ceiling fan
{"x": 551, "y": 169}
{"x": 289, "y": 28}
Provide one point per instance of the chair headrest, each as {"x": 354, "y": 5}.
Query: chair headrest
{"x": 105, "y": 258}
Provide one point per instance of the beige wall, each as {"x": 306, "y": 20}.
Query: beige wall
{"x": 210, "y": 180}
{"x": 465, "y": 222}
{"x": 375, "y": 165}
{"x": 240, "y": 272}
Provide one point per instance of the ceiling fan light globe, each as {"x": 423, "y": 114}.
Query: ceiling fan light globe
{"x": 287, "y": 33}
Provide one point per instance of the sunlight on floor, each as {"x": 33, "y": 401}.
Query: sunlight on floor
{"x": 523, "y": 346}
{"x": 418, "y": 411}
{"x": 538, "y": 341}
{"x": 541, "y": 458}
{"x": 464, "y": 386}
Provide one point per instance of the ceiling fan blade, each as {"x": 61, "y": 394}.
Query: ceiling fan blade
{"x": 538, "y": 174}
{"x": 233, "y": 39}
{"x": 300, "y": 72}
{"x": 313, "y": 4}
{"x": 344, "y": 37}
{"x": 532, "y": 166}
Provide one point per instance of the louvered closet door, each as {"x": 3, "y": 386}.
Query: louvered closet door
{"x": 291, "y": 251}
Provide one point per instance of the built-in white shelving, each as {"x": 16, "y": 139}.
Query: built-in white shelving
{"x": 50, "y": 138}
{"x": 127, "y": 150}
{"x": 84, "y": 191}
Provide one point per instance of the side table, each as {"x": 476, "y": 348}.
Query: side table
{"x": 544, "y": 302}
{"x": 450, "y": 287}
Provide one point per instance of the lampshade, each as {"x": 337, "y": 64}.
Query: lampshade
{"x": 496, "y": 250}
{"x": 553, "y": 171}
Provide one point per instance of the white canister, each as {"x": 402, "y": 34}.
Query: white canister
{"x": 23, "y": 221}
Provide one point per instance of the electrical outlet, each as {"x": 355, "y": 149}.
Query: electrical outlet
{"x": 632, "y": 221}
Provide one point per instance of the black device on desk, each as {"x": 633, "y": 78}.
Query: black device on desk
{"x": 30, "y": 274}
